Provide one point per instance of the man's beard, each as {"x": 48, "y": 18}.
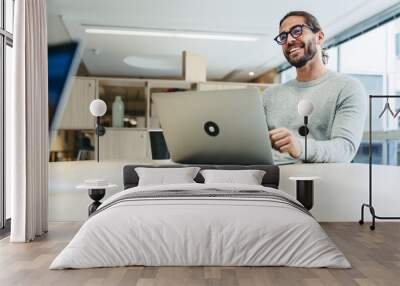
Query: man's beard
{"x": 309, "y": 52}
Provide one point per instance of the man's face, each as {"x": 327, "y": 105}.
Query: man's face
{"x": 298, "y": 51}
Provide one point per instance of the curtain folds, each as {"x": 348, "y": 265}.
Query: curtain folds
{"x": 27, "y": 122}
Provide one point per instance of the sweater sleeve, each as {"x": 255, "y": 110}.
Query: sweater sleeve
{"x": 347, "y": 128}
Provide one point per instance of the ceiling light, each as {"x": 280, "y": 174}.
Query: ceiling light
{"x": 155, "y": 62}
{"x": 171, "y": 34}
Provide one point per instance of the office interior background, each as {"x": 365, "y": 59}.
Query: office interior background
{"x": 373, "y": 58}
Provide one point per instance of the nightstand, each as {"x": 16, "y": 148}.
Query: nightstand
{"x": 305, "y": 190}
{"x": 96, "y": 193}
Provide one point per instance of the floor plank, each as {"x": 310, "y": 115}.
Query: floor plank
{"x": 374, "y": 255}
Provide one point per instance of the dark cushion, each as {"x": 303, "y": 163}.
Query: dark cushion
{"x": 270, "y": 179}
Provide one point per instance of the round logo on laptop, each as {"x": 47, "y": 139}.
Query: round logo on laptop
{"x": 211, "y": 128}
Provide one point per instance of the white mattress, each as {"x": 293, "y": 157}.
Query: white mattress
{"x": 200, "y": 231}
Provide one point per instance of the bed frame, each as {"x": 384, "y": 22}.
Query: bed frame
{"x": 270, "y": 179}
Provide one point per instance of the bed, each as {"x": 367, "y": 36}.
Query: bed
{"x": 201, "y": 224}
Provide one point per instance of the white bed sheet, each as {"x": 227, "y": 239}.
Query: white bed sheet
{"x": 193, "y": 231}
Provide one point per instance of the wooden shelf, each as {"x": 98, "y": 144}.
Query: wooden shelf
{"x": 136, "y": 94}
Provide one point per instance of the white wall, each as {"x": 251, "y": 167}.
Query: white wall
{"x": 66, "y": 203}
{"x": 338, "y": 195}
{"x": 344, "y": 187}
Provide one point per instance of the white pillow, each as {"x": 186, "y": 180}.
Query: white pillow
{"x": 163, "y": 176}
{"x": 248, "y": 177}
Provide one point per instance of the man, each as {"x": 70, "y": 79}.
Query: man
{"x": 337, "y": 122}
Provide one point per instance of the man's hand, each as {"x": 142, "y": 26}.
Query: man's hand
{"x": 283, "y": 141}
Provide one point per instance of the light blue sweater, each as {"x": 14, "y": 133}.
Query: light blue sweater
{"x": 336, "y": 124}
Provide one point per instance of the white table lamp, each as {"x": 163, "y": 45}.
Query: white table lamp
{"x": 98, "y": 108}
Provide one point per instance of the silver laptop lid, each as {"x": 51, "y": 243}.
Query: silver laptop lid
{"x": 215, "y": 127}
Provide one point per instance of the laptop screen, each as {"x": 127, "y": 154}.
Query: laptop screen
{"x": 61, "y": 59}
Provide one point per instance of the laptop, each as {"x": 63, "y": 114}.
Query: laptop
{"x": 62, "y": 63}
{"x": 215, "y": 127}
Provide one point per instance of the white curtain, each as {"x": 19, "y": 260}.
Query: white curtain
{"x": 27, "y": 123}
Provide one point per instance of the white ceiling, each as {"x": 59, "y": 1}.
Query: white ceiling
{"x": 260, "y": 17}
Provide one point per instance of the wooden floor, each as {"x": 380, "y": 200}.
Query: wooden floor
{"x": 375, "y": 257}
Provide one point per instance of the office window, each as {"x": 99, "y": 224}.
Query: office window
{"x": 378, "y": 69}
{"x": 377, "y": 153}
{"x": 373, "y": 84}
{"x": 365, "y": 54}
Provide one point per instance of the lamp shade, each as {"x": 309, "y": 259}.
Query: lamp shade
{"x": 98, "y": 107}
{"x": 305, "y": 107}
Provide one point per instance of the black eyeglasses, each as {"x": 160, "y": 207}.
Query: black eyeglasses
{"x": 295, "y": 32}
